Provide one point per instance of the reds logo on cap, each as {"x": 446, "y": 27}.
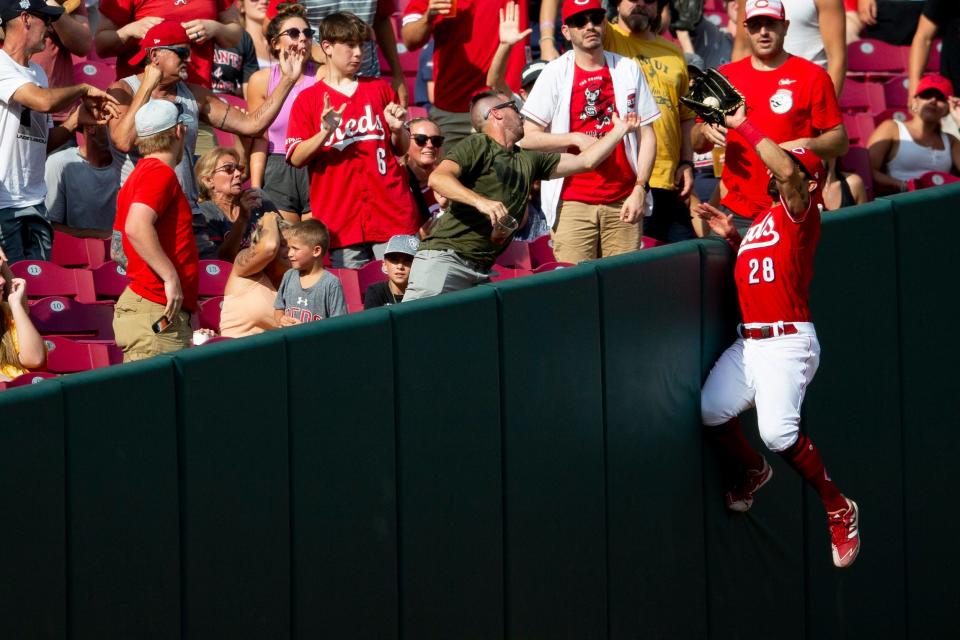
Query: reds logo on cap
{"x": 767, "y": 8}
{"x": 573, "y": 7}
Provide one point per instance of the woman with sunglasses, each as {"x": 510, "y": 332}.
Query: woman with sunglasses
{"x": 903, "y": 151}
{"x": 227, "y": 212}
{"x": 423, "y": 156}
{"x": 283, "y": 184}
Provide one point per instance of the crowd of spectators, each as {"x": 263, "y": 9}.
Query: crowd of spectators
{"x": 508, "y": 126}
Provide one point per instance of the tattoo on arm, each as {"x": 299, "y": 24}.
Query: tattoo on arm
{"x": 116, "y": 249}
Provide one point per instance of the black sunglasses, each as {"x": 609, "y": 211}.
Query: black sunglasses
{"x": 422, "y": 138}
{"x": 230, "y": 168}
{"x": 294, "y": 33}
{"x": 182, "y": 52}
{"x": 509, "y": 104}
{"x": 580, "y": 20}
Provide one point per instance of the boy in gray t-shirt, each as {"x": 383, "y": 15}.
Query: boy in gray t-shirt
{"x": 308, "y": 292}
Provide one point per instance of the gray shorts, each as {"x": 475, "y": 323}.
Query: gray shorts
{"x": 355, "y": 256}
{"x": 436, "y": 271}
{"x": 286, "y": 186}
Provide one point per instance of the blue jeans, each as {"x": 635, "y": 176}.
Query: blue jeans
{"x": 25, "y": 233}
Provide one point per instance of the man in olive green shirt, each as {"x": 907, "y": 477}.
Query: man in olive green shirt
{"x": 487, "y": 178}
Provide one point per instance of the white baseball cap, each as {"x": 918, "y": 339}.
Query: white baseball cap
{"x": 157, "y": 116}
{"x": 768, "y": 8}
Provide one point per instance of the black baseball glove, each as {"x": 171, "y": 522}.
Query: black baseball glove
{"x": 712, "y": 97}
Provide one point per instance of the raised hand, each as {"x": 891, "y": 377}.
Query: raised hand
{"x": 250, "y": 199}
{"x": 628, "y": 124}
{"x": 719, "y": 222}
{"x": 200, "y": 31}
{"x": 293, "y": 61}
{"x": 102, "y": 106}
{"x": 139, "y": 28}
{"x": 439, "y": 7}
{"x": 18, "y": 290}
{"x": 394, "y": 114}
{"x": 152, "y": 74}
{"x": 510, "y": 33}
{"x": 329, "y": 116}
{"x": 954, "y": 103}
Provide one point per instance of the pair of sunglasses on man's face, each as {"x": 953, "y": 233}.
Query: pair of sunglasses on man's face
{"x": 580, "y": 20}
{"x": 294, "y": 33}
{"x": 422, "y": 138}
{"x": 182, "y": 52}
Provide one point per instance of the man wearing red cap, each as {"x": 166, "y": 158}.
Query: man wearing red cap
{"x": 598, "y": 213}
{"x": 123, "y": 23}
{"x": 791, "y": 99}
{"x": 776, "y": 356}
{"x": 165, "y": 52}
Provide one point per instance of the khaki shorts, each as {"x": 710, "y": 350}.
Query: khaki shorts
{"x": 133, "y": 318}
{"x": 590, "y": 231}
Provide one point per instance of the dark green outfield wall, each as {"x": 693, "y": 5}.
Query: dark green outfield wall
{"x": 518, "y": 461}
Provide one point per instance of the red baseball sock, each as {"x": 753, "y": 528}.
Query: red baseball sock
{"x": 805, "y": 460}
{"x": 730, "y": 439}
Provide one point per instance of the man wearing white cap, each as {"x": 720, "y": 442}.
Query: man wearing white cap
{"x": 791, "y": 99}
{"x": 155, "y": 219}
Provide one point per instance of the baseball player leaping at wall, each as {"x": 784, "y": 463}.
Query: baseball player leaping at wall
{"x": 775, "y": 358}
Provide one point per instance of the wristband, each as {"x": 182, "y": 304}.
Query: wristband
{"x": 688, "y": 163}
{"x": 547, "y": 24}
{"x": 220, "y": 126}
{"x": 551, "y": 38}
{"x": 750, "y": 133}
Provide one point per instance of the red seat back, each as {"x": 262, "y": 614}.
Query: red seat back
{"x": 931, "y": 179}
{"x": 517, "y": 255}
{"x": 59, "y": 316}
{"x": 541, "y": 251}
{"x": 48, "y": 279}
{"x": 895, "y": 92}
{"x": 28, "y": 378}
{"x": 369, "y": 274}
{"x": 875, "y": 58}
{"x": 351, "y": 288}
{"x": 213, "y": 277}
{"x": 862, "y": 96}
{"x": 70, "y": 251}
{"x": 551, "y": 266}
{"x": 95, "y": 72}
{"x": 109, "y": 281}
{"x": 209, "y": 315}
{"x": 66, "y": 356}
{"x": 857, "y": 160}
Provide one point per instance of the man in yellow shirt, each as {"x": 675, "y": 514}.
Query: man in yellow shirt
{"x": 634, "y": 35}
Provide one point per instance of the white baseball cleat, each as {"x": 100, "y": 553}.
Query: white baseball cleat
{"x": 740, "y": 498}
{"x": 845, "y": 534}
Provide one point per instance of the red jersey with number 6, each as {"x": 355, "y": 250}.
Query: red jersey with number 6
{"x": 357, "y": 188}
{"x": 775, "y": 265}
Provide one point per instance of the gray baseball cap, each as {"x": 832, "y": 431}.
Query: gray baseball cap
{"x": 157, "y": 116}
{"x": 407, "y": 245}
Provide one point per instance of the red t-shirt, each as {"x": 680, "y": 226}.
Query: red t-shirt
{"x": 775, "y": 265}
{"x": 357, "y": 188}
{"x": 155, "y": 184}
{"x": 463, "y": 49}
{"x": 796, "y": 100}
{"x": 592, "y": 107}
{"x": 123, "y": 12}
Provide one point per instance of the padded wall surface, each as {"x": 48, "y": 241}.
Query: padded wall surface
{"x": 234, "y": 482}
{"x": 852, "y": 413}
{"x": 651, "y": 316}
{"x": 553, "y": 445}
{"x": 447, "y": 371}
{"x": 343, "y": 478}
{"x": 124, "y": 543}
{"x": 33, "y": 590}
{"x": 929, "y": 306}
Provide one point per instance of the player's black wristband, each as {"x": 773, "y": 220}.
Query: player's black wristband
{"x": 688, "y": 163}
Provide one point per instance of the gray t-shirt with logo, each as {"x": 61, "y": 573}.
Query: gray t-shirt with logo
{"x": 322, "y": 300}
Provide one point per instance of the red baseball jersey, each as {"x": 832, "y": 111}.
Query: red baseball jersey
{"x": 796, "y": 100}
{"x": 592, "y": 106}
{"x": 463, "y": 49}
{"x": 123, "y": 12}
{"x": 155, "y": 184}
{"x": 775, "y": 265}
{"x": 357, "y": 188}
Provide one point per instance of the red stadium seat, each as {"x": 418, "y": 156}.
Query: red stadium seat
{"x": 351, "y": 288}
{"x": 95, "y": 72}
{"x": 209, "y": 314}
{"x": 517, "y": 255}
{"x": 874, "y": 59}
{"x": 646, "y": 242}
{"x": 508, "y": 273}
{"x": 857, "y": 160}
{"x": 213, "y": 277}
{"x": 895, "y": 92}
{"x": 27, "y": 379}
{"x": 931, "y": 179}
{"x": 60, "y": 316}
{"x": 862, "y": 96}
{"x": 70, "y": 251}
{"x": 370, "y": 273}
{"x": 67, "y": 356}
{"x": 552, "y": 266}
{"x": 901, "y": 114}
{"x": 48, "y": 279}
{"x": 109, "y": 281}
{"x": 541, "y": 251}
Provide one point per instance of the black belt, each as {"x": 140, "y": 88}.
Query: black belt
{"x": 768, "y": 331}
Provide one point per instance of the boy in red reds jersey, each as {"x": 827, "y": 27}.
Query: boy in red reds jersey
{"x": 157, "y": 226}
{"x": 463, "y": 48}
{"x": 123, "y": 23}
{"x": 777, "y": 355}
{"x": 790, "y": 98}
{"x": 348, "y": 131}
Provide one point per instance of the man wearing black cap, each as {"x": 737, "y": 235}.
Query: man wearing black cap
{"x": 26, "y": 132}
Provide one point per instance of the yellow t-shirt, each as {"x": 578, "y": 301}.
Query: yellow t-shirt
{"x": 10, "y": 371}
{"x": 666, "y": 72}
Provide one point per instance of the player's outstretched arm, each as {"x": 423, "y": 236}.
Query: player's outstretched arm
{"x": 591, "y": 158}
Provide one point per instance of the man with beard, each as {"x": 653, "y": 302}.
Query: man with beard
{"x": 791, "y": 99}
{"x": 157, "y": 226}
{"x": 634, "y": 35}
{"x": 600, "y": 213}
{"x": 487, "y": 179}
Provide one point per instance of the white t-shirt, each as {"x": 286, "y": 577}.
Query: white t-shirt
{"x": 803, "y": 38}
{"x": 23, "y": 137}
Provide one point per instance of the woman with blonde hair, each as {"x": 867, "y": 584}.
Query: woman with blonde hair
{"x": 21, "y": 347}
{"x": 228, "y": 212}
{"x": 252, "y": 286}
{"x": 285, "y": 185}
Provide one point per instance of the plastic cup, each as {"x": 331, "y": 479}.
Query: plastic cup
{"x": 199, "y": 337}
{"x": 503, "y": 229}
